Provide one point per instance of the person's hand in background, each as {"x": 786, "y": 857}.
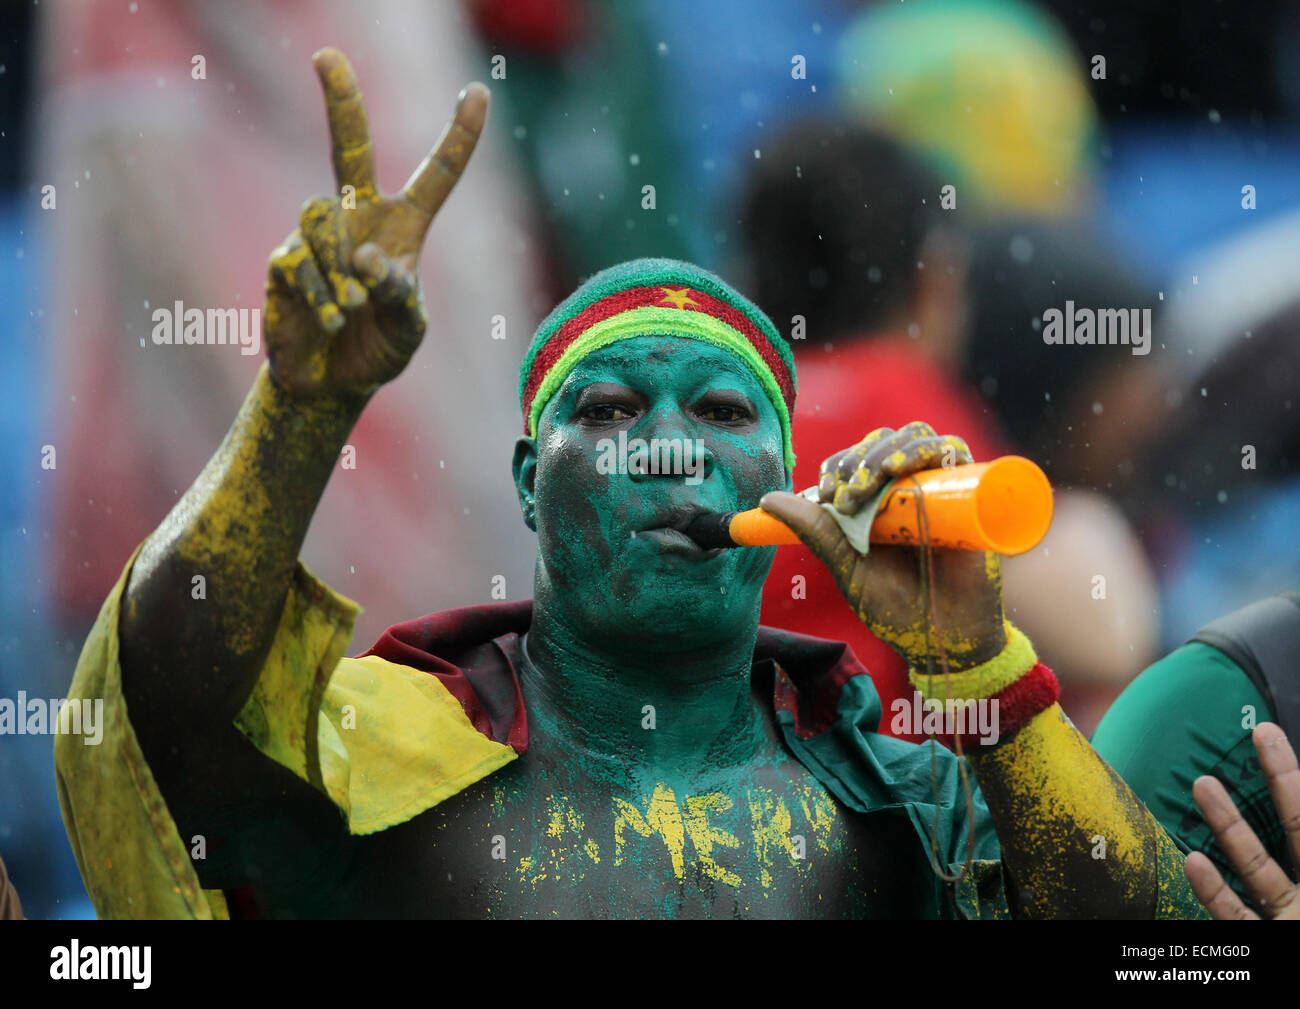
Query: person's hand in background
{"x": 11, "y": 909}
{"x": 1274, "y": 892}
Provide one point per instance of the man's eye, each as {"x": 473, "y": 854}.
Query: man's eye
{"x": 605, "y": 412}
{"x": 723, "y": 414}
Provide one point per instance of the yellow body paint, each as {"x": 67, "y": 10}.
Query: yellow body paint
{"x": 820, "y": 811}
{"x": 704, "y": 837}
{"x": 692, "y": 838}
{"x": 771, "y": 820}
{"x": 662, "y": 819}
{"x": 1062, "y": 797}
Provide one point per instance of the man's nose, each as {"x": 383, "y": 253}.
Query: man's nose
{"x": 673, "y": 448}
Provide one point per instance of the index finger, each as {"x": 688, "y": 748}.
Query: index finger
{"x": 862, "y": 474}
{"x": 354, "y": 159}
{"x": 442, "y": 167}
{"x": 831, "y": 473}
{"x": 815, "y": 528}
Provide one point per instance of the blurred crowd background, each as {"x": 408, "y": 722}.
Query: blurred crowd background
{"x": 1115, "y": 154}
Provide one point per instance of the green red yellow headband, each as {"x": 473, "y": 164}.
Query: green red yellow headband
{"x": 648, "y": 297}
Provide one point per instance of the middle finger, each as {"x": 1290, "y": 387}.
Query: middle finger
{"x": 914, "y": 446}
{"x": 326, "y": 234}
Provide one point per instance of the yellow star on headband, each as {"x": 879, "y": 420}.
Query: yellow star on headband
{"x": 679, "y": 296}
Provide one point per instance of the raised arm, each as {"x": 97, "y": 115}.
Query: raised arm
{"x": 343, "y": 315}
{"x": 1076, "y": 841}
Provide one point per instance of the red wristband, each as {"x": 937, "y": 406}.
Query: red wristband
{"x": 1012, "y": 708}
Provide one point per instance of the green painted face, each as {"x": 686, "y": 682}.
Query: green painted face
{"x": 608, "y": 565}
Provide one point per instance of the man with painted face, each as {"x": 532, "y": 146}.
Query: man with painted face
{"x": 630, "y": 742}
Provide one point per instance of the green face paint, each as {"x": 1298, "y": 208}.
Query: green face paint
{"x": 649, "y": 591}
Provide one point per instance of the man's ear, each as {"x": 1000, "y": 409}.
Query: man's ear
{"x": 525, "y": 470}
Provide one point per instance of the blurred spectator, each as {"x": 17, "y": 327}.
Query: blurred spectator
{"x": 991, "y": 92}
{"x": 588, "y": 120}
{"x": 1086, "y": 414}
{"x": 1221, "y": 293}
{"x": 1080, "y": 411}
{"x": 675, "y": 95}
{"x": 1229, "y": 469}
{"x": 1194, "y": 713}
{"x": 997, "y": 99}
{"x": 846, "y": 233}
{"x": 837, "y": 219}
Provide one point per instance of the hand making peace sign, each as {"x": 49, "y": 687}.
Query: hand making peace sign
{"x": 343, "y": 307}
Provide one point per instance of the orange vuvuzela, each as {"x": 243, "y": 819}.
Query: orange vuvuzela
{"x": 1004, "y": 506}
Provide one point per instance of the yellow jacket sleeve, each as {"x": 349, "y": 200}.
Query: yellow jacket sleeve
{"x": 383, "y": 741}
